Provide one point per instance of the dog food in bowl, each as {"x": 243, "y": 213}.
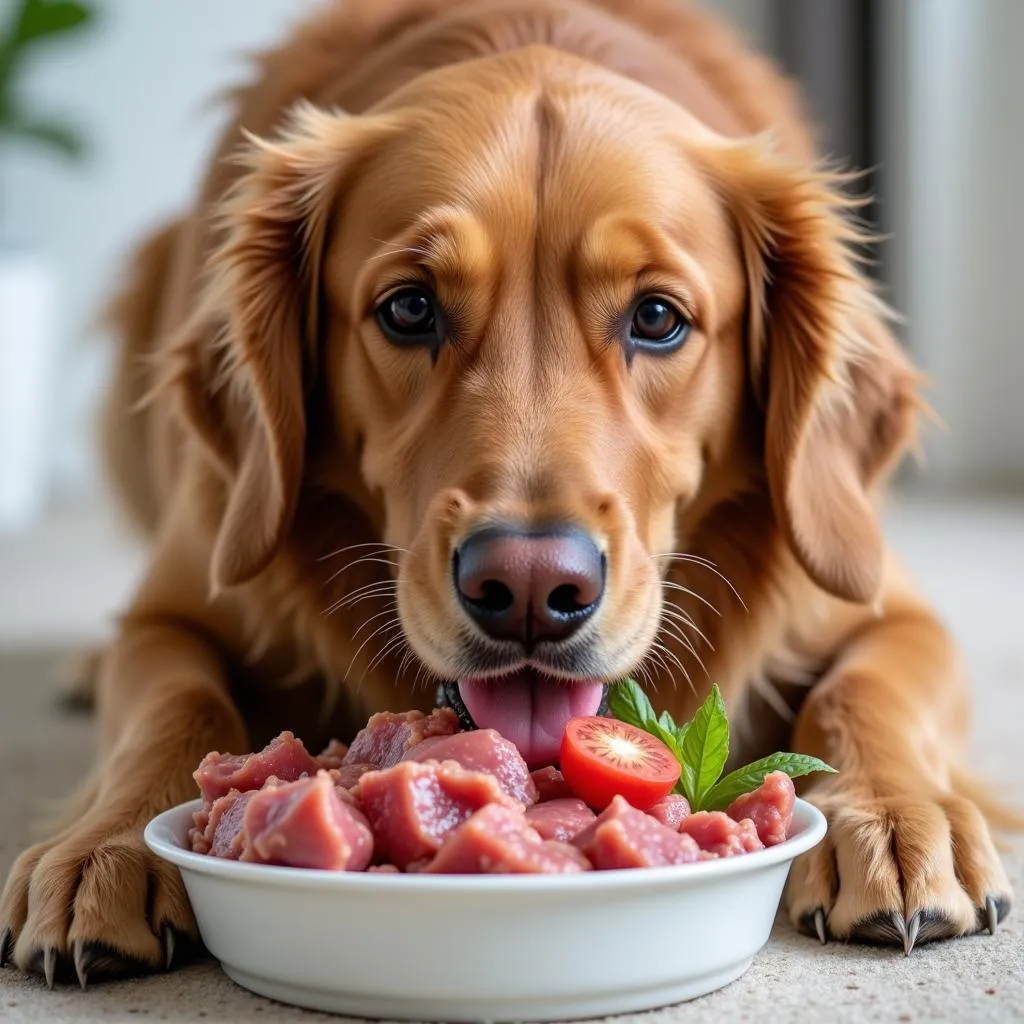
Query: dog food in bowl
{"x": 413, "y": 794}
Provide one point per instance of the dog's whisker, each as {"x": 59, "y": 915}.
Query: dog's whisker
{"x": 366, "y": 559}
{"x": 669, "y": 653}
{"x": 711, "y": 567}
{"x": 389, "y": 610}
{"x": 673, "y": 585}
{"x": 387, "y": 648}
{"x": 677, "y": 634}
{"x": 364, "y": 544}
{"x": 673, "y": 611}
{"x": 387, "y": 627}
{"x": 379, "y": 588}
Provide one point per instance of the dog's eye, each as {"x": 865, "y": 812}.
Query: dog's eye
{"x": 410, "y": 316}
{"x": 657, "y": 325}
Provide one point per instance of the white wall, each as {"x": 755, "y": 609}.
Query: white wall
{"x": 955, "y": 160}
{"x": 139, "y": 87}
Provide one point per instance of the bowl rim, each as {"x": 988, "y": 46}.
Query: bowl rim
{"x": 159, "y": 836}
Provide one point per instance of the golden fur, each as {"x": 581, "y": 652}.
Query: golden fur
{"x": 539, "y": 161}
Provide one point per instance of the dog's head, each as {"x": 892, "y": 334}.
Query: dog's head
{"x": 544, "y": 318}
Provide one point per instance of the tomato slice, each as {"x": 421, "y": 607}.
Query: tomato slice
{"x": 602, "y": 757}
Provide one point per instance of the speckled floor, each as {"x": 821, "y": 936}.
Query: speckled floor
{"x": 970, "y": 557}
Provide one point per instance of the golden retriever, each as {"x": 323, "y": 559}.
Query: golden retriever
{"x": 519, "y": 345}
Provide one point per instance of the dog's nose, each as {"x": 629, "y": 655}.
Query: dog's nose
{"x": 526, "y": 586}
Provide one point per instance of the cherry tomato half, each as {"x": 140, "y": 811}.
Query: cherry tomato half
{"x": 602, "y": 757}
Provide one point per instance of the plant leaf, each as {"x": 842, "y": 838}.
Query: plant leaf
{"x": 705, "y": 749}
{"x": 62, "y": 137}
{"x": 665, "y": 721}
{"x": 41, "y": 18}
{"x": 745, "y": 780}
{"x": 628, "y": 703}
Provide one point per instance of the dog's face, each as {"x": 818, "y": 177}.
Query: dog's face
{"x": 538, "y": 324}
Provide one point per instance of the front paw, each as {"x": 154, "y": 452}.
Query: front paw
{"x": 898, "y": 870}
{"x": 94, "y": 903}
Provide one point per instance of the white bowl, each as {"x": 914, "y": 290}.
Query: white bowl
{"x": 484, "y": 947}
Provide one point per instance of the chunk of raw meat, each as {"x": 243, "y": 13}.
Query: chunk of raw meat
{"x": 482, "y": 750}
{"x": 498, "y": 840}
{"x": 388, "y": 735}
{"x": 670, "y": 810}
{"x": 717, "y": 833}
{"x": 623, "y": 837}
{"x": 349, "y": 774}
{"x": 218, "y": 829}
{"x": 305, "y": 824}
{"x": 414, "y": 806}
{"x": 284, "y": 757}
{"x": 560, "y": 819}
{"x": 550, "y": 785}
{"x": 769, "y": 807}
{"x": 333, "y": 755}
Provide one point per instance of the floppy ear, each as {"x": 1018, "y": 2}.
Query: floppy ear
{"x": 244, "y": 359}
{"x": 839, "y": 395}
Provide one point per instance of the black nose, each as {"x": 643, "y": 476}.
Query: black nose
{"x": 519, "y": 585}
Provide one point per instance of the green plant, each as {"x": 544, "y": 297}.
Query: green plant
{"x": 702, "y": 748}
{"x": 33, "y": 22}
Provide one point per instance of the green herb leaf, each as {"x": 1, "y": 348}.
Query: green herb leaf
{"x": 628, "y": 703}
{"x": 40, "y": 18}
{"x": 62, "y": 137}
{"x": 746, "y": 779}
{"x": 665, "y": 721}
{"x": 705, "y": 749}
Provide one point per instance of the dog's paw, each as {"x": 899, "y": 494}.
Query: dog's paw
{"x": 898, "y": 870}
{"x": 91, "y": 904}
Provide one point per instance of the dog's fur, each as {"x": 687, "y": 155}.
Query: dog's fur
{"x": 540, "y": 161}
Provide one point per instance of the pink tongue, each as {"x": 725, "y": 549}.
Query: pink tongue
{"x": 528, "y": 711}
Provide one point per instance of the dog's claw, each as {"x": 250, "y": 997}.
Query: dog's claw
{"x": 6, "y": 944}
{"x": 81, "y": 967}
{"x": 819, "y": 925}
{"x": 168, "y": 947}
{"x": 49, "y": 965}
{"x": 991, "y": 914}
{"x": 910, "y": 935}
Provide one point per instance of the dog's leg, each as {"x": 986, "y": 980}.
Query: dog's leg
{"x": 907, "y": 857}
{"x": 92, "y": 900}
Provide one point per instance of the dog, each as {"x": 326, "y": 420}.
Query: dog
{"x": 517, "y": 346}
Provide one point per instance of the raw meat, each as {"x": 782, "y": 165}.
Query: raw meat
{"x": 218, "y": 829}
{"x": 305, "y": 824}
{"x": 550, "y": 784}
{"x": 623, "y": 837}
{"x": 560, "y": 819}
{"x": 349, "y": 774}
{"x": 670, "y": 810}
{"x": 717, "y": 833}
{"x": 284, "y": 757}
{"x": 769, "y": 807}
{"x": 333, "y": 755}
{"x": 414, "y": 806}
{"x": 388, "y": 735}
{"x": 498, "y": 840}
{"x": 482, "y": 750}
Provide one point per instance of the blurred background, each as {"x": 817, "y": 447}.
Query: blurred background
{"x": 927, "y": 93}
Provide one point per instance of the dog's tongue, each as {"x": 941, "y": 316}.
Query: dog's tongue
{"x": 529, "y": 711}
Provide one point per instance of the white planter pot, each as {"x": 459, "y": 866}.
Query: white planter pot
{"x": 27, "y": 394}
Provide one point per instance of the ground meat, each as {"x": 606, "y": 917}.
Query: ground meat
{"x": 550, "y": 785}
{"x": 388, "y": 735}
{"x": 305, "y": 824}
{"x": 670, "y": 810}
{"x": 482, "y": 750}
{"x": 284, "y": 757}
{"x": 717, "y": 833}
{"x": 413, "y": 807}
{"x": 560, "y": 819}
{"x": 498, "y": 840}
{"x": 769, "y": 807}
{"x": 333, "y": 755}
{"x": 623, "y": 837}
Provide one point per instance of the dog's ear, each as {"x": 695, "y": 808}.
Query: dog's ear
{"x": 245, "y": 358}
{"x": 838, "y": 394}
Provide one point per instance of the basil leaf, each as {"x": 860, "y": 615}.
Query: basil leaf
{"x": 665, "y": 721}
{"x": 628, "y": 703}
{"x": 745, "y": 780}
{"x": 705, "y": 749}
